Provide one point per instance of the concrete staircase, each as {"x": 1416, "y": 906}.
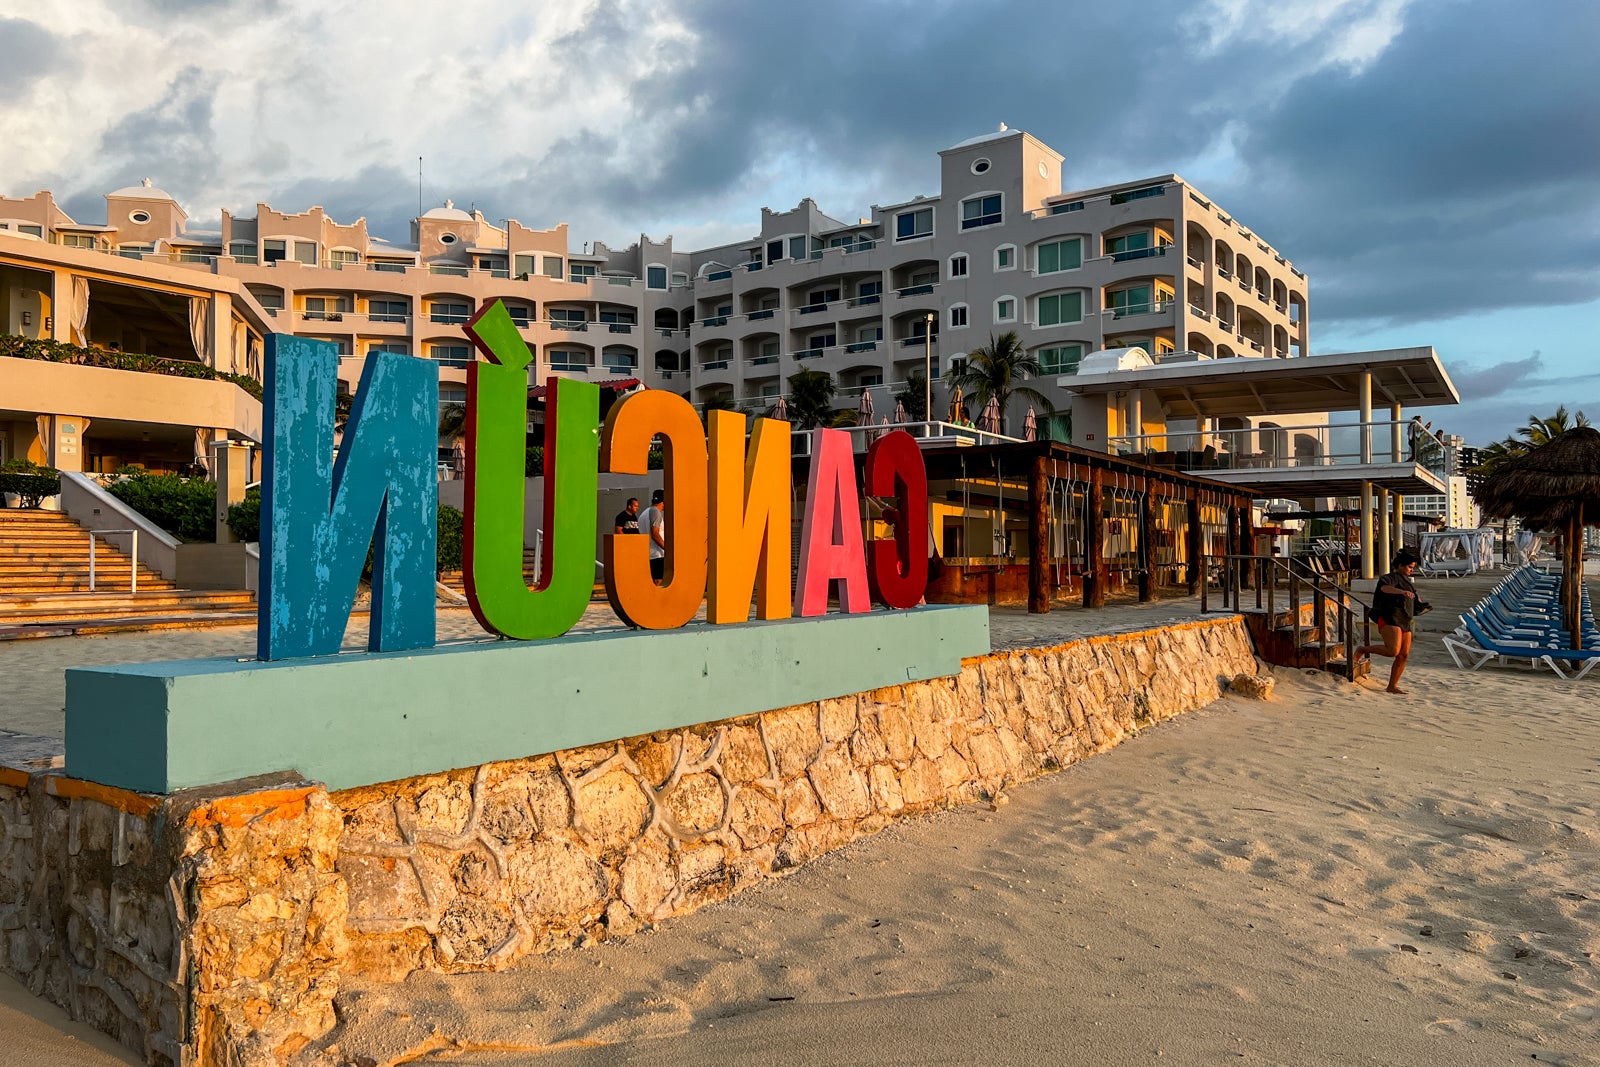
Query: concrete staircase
{"x": 45, "y": 590}
{"x": 456, "y": 582}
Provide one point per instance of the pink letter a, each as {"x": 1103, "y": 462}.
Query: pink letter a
{"x": 830, "y": 539}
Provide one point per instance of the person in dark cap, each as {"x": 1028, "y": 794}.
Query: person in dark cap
{"x": 653, "y": 523}
{"x": 1394, "y": 608}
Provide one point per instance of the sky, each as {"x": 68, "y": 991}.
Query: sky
{"x": 1432, "y": 165}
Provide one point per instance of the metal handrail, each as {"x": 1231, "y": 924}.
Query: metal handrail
{"x": 1264, "y": 574}
{"x": 133, "y": 556}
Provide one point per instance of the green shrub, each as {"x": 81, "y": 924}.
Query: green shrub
{"x": 452, "y": 531}
{"x": 183, "y": 506}
{"x": 244, "y": 518}
{"x": 16, "y": 347}
{"x": 533, "y": 462}
{"x": 32, "y": 482}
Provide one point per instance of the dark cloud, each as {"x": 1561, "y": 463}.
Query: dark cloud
{"x": 1481, "y": 383}
{"x": 29, "y": 51}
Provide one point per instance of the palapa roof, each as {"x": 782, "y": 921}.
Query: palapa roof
{"x": 1548, "y": 483}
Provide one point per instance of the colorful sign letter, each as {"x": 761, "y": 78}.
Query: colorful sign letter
{"x": 898, "y": 569}
{"x": 630, "y": 427}
{"x": 830, "y": 537}
{"x": 497, "y": 412}
{"x": 319, "y": 516}
{"x": 749, "y": 519}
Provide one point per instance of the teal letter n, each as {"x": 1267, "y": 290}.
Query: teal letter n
{"x": 318, "y": 516}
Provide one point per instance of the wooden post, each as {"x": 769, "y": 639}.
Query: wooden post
{"x": 1574, "y": 575}
{"x": 1095, "y": 575}
{"x": 1192, "y": 554}
{"x": 1039, "y": 537}
{"x": 1146, "y": 556}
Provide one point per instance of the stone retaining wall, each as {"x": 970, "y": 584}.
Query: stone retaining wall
{"x": 214, "y": 929}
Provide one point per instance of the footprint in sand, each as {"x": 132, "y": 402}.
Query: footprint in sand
{"x": 1445, "y": 1027}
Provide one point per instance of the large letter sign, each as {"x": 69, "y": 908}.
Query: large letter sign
{"x": 497, "y": 412}
{"x": 899, "y": 568}
{"x": 830, "y": 537}
{"x": 749, "y": 518}
{"x": 319, "y": 517}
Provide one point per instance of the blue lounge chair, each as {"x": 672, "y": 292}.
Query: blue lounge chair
{"x": 1486, "y": 647}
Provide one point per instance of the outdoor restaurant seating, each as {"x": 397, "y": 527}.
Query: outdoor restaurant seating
{"x": 1521, "y": 619}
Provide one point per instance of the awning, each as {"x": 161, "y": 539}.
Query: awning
{"x": 618, "y": 385}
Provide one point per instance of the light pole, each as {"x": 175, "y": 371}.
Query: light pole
{"x": 927, "y": 375}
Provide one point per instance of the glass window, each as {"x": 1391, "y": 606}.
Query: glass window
{"x": 83, "y": 240}
{"x": 909, "y": 225}
{"x": 581, "y": 272}
{"x": 401, "y": 348}
{"x": 439, "y": 311}
{"x": 958, "y": 266}
{"x": 29, "y": 228}
{"x": 386, "y": 310}
{"x": 980, "y": 211}
{"x": 524, "y": 267}
{"x": 1060, "y": 255}
{"x": 571, "y": 360}
{"x": 958, "y": 315}
{"x": 1058, "y": 308}
{"x": 306, "y": 252}
{"x": 339, "y": 257}
{"x": 1005, "y": 257}
{"x": 869, "y": 292}
{"x": 1005, "y": 310}
{"x": 774, "y": 251}
{"x": 520, "y": 314}
{"x": 567, "y": 318}
{"x": 1060, "y": 359}
{"x": 450, "y": 355}
{"x": 655, "y": 277}
{"x": 620, "y": 359}
{"x": 553, "y": 266}
{"x": 797, "y": 248}
{"x": 274, "y": 251}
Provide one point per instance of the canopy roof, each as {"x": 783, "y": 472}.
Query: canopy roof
{"x": 1254, "y": 386}
{"x": 1547, "y": 485}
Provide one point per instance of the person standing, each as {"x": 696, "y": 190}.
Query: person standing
{"x": 1394, "y": 608}
{"x": 627, "y": 520}
{"x": 654, "y": 523}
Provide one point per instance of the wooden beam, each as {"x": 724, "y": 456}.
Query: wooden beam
{"x": 1095, "y": 573}
{"x": 1146, "y": 555}
{"x": 1038, "y": 537}
{"x": 1191, "y": 555}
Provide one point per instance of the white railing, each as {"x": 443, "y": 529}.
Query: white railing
{"x": 1275, "y": 447}
{"x": 133, "y": 558}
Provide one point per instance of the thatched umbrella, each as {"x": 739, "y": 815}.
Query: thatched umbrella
{"x": 1556, "y": 485}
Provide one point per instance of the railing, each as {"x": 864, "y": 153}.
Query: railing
{"x": 1278, "y": 447}
{"x": 1241, "y": 578}
{"x": 920, "y": 289}
{"x": 1152, "y": 307}
{"x": 1138, "y": 253}
{"x": 133, "y": 558}
{"x": 928, "y": 434}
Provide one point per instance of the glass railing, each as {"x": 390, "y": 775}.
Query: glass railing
{"x": 1139, "y": 253}
{"x": 1289, "y": 447}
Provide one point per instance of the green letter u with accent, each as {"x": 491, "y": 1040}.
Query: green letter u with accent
{"x": 497, "y": 413}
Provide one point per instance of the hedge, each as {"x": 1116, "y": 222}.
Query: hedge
{"x": 16, "y": 347}
{"x": 30, "y": 481}
{"x": 183, "y": 506}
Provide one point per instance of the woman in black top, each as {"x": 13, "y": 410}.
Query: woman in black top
{"x": 1394, "y": 607}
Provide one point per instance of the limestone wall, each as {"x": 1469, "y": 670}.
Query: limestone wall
{"x": 213, "y": 929}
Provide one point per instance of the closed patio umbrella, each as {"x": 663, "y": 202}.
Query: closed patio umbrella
{"x": 780, "y": 410}
{"x": 991, "y": 415}
{"x": 1030, "y": 426}
{"x": 901, "y": 416}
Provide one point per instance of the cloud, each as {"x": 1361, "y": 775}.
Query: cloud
{"x": 1481, "y": 383}
{"x": 28, "y": 51}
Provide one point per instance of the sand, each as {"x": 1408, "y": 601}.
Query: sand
{"x": 1336, "y": 876}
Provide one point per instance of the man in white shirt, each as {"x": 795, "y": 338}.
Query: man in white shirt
{"x": 653, "y": 523}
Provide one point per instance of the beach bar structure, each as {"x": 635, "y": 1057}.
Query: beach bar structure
{"x": 1264, "y": 426}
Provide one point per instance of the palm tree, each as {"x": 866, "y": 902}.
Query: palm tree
{"x": 1538, "y": 431}
{"x": 997, "y": 370}
{"x": 810, "y": 399}
{"x": 452, "y": 420}
{"x": 915, "y": 396}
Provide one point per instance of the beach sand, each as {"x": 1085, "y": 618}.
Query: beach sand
{"x": 1335, "y": 876}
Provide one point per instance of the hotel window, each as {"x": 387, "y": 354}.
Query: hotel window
{"x": 1005, "y": 258}
{"x": 269, "y": 300}
{"x": 306, "y": 252}
{"x": 401, "y": 348}
{"x": 274, "y": 251}
{"x": 869, "y": 292}
{"x": 680, "y": 280}
{"x": 797, "y": 248}
{"x": 386, "y": 310}
{"x": 1060, "y": 359}
{"x": 958, "y": 266}
{"x": 450, "y": 355}
{"x": 554, "y": 265}
{"x": 958, "y": 316}
{"x": 30, "y": 229}
{"x": 581, "y": 272}
{"x": 774, "y": 251}
{"x": 331, "y": 308}
{"x": 980, "y": 211}
{"x": 1056, "y": 309}
{"x": 339, "y": 258}
{"x": 521, "y": 314}
{"x": 1005, "y": 310}
{"x": 439, "y": 311}
{"x": 82, "y": 240}
{"x": 571, "y": 359}
{"x": 566, "y": 318}
{"x": 1059, "y": 255}
{"x": 910, "y": 225}
{"x": 655, "y": 277}
{"x": 524, "y": 267}
{"x": 620, "y": 358}
{"x": 452, "y": 394}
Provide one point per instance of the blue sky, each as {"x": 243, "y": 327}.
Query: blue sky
{"x": 1433, "y": 165}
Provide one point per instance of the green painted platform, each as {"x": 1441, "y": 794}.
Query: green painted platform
{"x": 360, "y": 719}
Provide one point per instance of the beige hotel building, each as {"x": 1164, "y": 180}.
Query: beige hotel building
{"x": 1152, "y": 263}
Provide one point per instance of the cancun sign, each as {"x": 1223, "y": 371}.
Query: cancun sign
{"x": 727, "y": 521}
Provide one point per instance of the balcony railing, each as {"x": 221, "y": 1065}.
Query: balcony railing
{"x": 915, "y": 290}
{"x": 1287, "y": 447}
{"x": 1139, "y": 253}
{"x": 1153, "y": 307}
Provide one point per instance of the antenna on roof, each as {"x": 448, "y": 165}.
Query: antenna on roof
{"x": 419, "y": 185}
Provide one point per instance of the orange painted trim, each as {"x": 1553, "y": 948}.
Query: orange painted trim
{"x": 268, "y": 805}
{"x": 127, "y": 800}
{"x": 1099, "y": 639}
{"x": 13, "y": 777}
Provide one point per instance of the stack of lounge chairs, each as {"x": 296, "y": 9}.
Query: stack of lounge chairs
{"x": 1522, "y": 619}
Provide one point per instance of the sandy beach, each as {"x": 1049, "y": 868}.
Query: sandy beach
{"x": 1335, "y": 876}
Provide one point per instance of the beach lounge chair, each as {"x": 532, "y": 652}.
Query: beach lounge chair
{"x": 1484, "y": 647}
